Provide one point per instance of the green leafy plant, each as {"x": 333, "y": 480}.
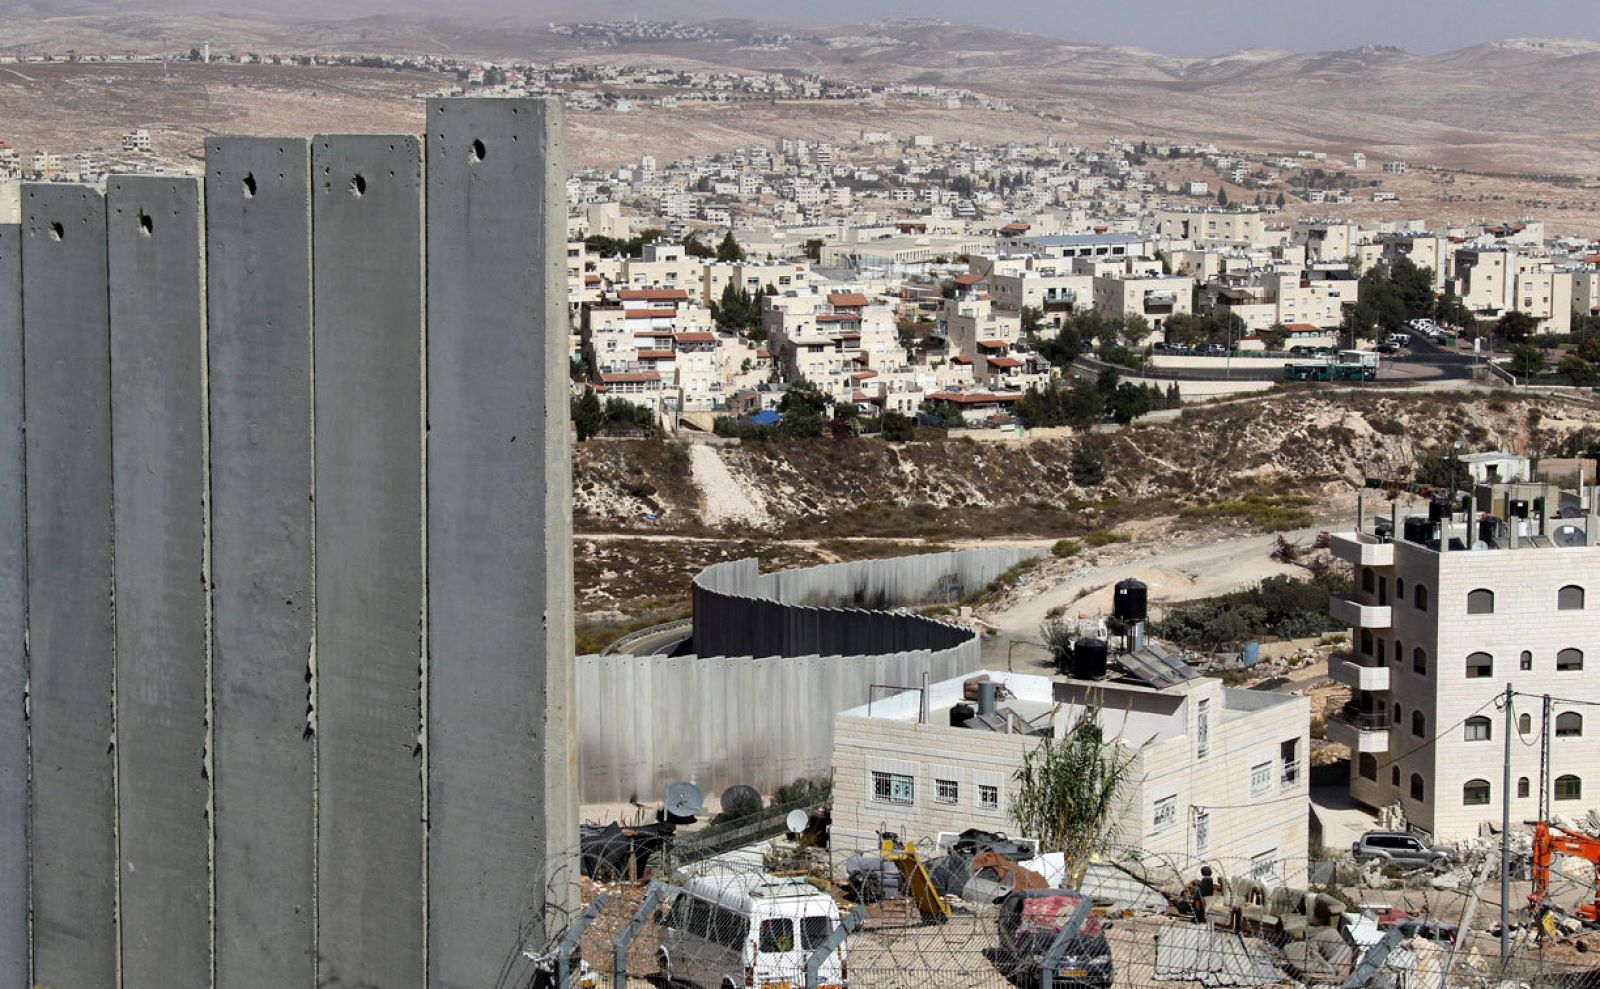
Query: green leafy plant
{"x": 1067, "y": 791}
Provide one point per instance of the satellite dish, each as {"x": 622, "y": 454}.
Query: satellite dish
{"x": 735, "y": 794}
{"x": 1480, "y": 545}
{"x": 1568, "y": 535}
{"x": 796, "y": 821}
{"x": 684, "y": 800}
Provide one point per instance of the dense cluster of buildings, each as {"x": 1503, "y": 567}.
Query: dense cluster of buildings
{"x": 898, "y": 271}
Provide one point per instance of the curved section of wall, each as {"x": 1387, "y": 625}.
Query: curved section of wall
{"x": 778, "y": 655}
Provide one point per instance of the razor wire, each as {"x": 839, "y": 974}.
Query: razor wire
{"x": 1256, "y": 929}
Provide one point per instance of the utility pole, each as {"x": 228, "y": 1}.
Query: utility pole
{"x": 1505, "y": 841}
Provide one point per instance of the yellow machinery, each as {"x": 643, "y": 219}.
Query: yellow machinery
{"x": 915, "y": 879}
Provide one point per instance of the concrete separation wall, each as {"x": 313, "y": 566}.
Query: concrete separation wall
{"x": 258, "y": 226}
{"x": 501, "y": 807}
{"x": 779, "y": 655}
{"x": 225, "y": 758}
{"x": 153, "y": 233}
{"x": 67, "y": 371}
{"x": 367, "y": 239}
{"x": 13, "y": 625}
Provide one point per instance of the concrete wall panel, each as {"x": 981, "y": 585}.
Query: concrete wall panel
{"x": 258, "y": 279}
{"x": 501, "y": 793}
{"x": 153, "y": 237}
{"x": 67, "y": 385}
{"x": 367, "y": 257}
{"x": 13, "y": 625}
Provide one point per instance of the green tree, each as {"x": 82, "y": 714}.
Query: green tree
{"x": 1515, "y": 327}
{"x": 1589, "y": 348}
{"x": 729, "y": 250}
{"x": 1088, "y": 463}
{"x": 1578, "y": 371}
{"x": 1414, "y": 285}
{"x": 1526, "y": 359}
{"x": 1282, "y": 201}
{"x": 898, "y": 428}
{"x": 1041, "y": 407}
{"x": 1275, "y": 336}
{"x": 1128, "y": 402}
{"x": 1222, "y": 195}
{"x": 694, "y": 249}
{"x": 1067, "y": 792}
{"x": 1085, "y": 405}
{"x": 588, "y": 416}
{"x": 813, "y": 249}
{"x": 1174, "y": 396}
{"x": 1451, "y": 311}
{"x": 1032, "y": 319}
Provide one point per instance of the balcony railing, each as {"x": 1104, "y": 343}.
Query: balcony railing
{"x": 1355, "y": 717}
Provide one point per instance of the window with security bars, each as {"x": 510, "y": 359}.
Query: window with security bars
{"x": 1264, "y": 866}
{"x": 988, "y": 796}
{"x": 893, "y": 788}
{"x": 1202, "y": 729}
{"x": 1260, "y": 778}
{"x": 1202, "y": 832}
{"x": 1166, "y": 813}
{"x": 946, "y": 792}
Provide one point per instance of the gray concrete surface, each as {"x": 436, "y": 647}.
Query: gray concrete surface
{"x": 502, "y": 799}
{"x": 367, "y": 251}
{"x": 259, "y": 297}
{"x": 153, "y": 231}
{"x": 67, "y": 370}
{"x": 13, "y": 623}
{"x": 779, "y": 655}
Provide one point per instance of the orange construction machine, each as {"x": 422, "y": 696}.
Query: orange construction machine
{"x": 1548, "y": 841}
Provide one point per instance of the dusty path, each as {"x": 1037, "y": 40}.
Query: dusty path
{"x": 722, "y": 498}
{"x": 1173, "y": 573}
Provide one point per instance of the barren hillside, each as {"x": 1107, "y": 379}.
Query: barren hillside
{"x": 1309, "y": 442}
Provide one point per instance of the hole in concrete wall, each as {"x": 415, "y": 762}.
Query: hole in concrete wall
{"x": 249, "y": 185}
{"x": 478, "y": 150}
{"x": 358, "y": 185}
{"x": 147, "y": 223}
{"x": 57, "y": 231}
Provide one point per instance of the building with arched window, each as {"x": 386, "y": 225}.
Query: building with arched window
{"x": 1452, "y": 601}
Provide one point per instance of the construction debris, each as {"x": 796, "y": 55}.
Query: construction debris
{"x": 1211, "y": 958}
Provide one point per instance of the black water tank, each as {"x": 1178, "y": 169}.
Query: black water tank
{"x": 1418, "y": 530}
{"x": 960, "y": 714}
{"x": 1089, "y": 658}
{"x": 1128, "y": 600}
{"x": 1438, "y": 509}
{"x": 1519, "y": 509}
{"x": 1486, "y": 528}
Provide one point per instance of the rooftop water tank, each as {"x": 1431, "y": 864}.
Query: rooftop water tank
{"x": 1128, "y": 601}
{"x": 1089, "y": 659}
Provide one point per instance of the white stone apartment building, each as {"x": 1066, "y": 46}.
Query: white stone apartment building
{"x": 1219, "y": 775}
{"x": 1214, "y": 227}
{"x": 1440, "y": 627}
{"x": 1154, "y": 297}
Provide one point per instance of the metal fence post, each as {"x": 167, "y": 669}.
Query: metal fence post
{"x": 619, "y": 948}
{"x": 849, "y": 925}
{"x": 1373, "y": 960}
{"x": 569, "y": 940}
{"x": 1064, "y": 938}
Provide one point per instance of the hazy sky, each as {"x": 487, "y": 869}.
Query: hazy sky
{"x": 1207, "y": 27}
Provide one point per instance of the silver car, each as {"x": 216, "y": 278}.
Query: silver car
{"x": 1399, "y": 848}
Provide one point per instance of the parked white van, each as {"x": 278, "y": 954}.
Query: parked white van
{"x": 732, "y": 930}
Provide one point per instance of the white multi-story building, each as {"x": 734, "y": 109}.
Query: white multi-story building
{"x": 1217, "y": 774}
{"x": 1445, "y": 615}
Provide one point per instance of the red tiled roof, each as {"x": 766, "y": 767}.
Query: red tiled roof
{"x": 848, "y": 299}
{"x": 656, "y": 355}
{"x": 863, "y": 375}
{"x": 1005, "y": 362}
{"x": 652, "y": 294}
{"x": 992, "y": 343}
{"x": 697, "y": 336}
{"x": 838, "y": 317}
{"x": 967, "y": 279}
{"x": 623, "y": 377}
{"x": 1302, "y": 327}
{"x": 651, "y": 313}
{"x": 961, "y": 359}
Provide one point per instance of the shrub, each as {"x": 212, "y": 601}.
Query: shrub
{"x": 1104, "y": 537}
{"x": 1273, "y": 513}
{"x": 1281, "y": 606}
{"x": 1066, "y": 547}
{"x": 1387, "y": 427}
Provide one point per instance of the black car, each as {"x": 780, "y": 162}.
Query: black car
{"x": 1030, "y": 920}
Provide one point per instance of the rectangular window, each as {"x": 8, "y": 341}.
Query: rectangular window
{"x": 988, "y": 796}
{"x": 1202, "y": 729}
{"x": 777, "y": 935}
{"x": 893, "y": 788}
{"x": 1264, "y": 866}
{"x": 1166, "y": 813}
{"x": 946, "y": 792}
{"x": 1202, "y": 831}
{"x": 1289, "y": 773}
{"x": 1477, "y": 730}
{"x": 1260, "y": 778}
